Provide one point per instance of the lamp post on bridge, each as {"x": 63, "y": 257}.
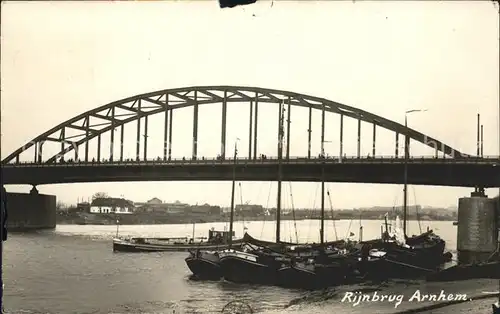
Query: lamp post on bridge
{"x": 407, "y": 153}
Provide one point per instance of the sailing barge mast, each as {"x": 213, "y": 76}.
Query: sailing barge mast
{"x": 281, "y": 132}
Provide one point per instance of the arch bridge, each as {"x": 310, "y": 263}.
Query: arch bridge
{"x": 73, "y": 137}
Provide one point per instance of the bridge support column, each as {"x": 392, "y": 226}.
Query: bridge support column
{"x": 31, "y": 211}
{"x": 165, "y": 132}
{"x": 99, "y": 148}
{"x": 35, "y": 158}
{"x": 250, "y": 131}
{"x": 323, "y": 131}
{"x": 40, "y": 151}
{"x": 223, "y": 127}
{"x": 407, "y": 145}
{"x": 112, "y": 136}
{"x": 170, "y": 123}
{"x": 309, "y": 131}
{"x": 138, "y": 135}
{"x": 288, "y": 129}
{"x": 62, "y": 138}
{"x": 397, "y": 145}
{"x": 359, "y": 138}
{"x": 122, "y": 131}
{"x": 195, "y": 126}
{"x": 281, "y": 130}
{"x": 255, "y": 127}
{"x": 145, "y": 138}
{"x": 374, "y": 139}
{"x": 341, "y": 150}
{"x": 87, "y": 133}
{"x": 76, "y": 148}
{"x": 477, "y": 231}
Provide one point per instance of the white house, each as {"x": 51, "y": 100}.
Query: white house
{"x": 111, "y": 206}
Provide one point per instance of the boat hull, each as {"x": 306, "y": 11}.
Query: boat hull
{"x": 204, "y": 265}
{"x": 297, "y": 277}
{"x": 131, "y": 247}
{"x": 383, "y": 268}
{"x": 467, "y": 272}
{"x": 239, "y": 269}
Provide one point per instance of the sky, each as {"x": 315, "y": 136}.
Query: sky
{"x": 60, "y": 59}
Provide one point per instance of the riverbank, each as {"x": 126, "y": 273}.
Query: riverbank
{"x": 163, "y": 218}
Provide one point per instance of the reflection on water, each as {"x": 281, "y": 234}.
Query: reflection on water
{"x": 73, "y": 270}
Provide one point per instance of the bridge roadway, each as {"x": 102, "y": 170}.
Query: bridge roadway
{"x": 464, "y": 171}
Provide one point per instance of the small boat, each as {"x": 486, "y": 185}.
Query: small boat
{"x": 217, "y": 240}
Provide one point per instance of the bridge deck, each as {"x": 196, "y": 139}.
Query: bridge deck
{"x": 488, "y": 160}
{"x": 467, "y": 172}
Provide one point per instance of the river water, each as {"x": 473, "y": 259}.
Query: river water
{"x": 73, "y": 270}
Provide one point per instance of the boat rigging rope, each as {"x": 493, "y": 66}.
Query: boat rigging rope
{"x": 293, "y": 214}
{"x": 311, "y": 212}
{"x": 242, "y": 207}
{"x": 333, "y": 220}
{"x": 349, "y": 228}
{"x": 267, "y": 208}
{"x": 416, "y": 209}
{"x": 287, "y": 224}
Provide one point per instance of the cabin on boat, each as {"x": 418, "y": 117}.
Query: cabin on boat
{"x": 218, "y": 237}
{"x": 111, "y": 205}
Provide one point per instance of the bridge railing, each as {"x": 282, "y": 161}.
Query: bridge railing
{"x": 262, "y": 159}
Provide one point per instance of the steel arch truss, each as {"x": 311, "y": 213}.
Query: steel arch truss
{"x": 95, "y": 122}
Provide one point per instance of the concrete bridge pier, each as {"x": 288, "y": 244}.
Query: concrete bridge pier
{"x": 33, "y": 211}
{"x": 477, "y": 230}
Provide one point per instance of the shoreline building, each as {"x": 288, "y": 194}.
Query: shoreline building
{"x": 111, "y": 205}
